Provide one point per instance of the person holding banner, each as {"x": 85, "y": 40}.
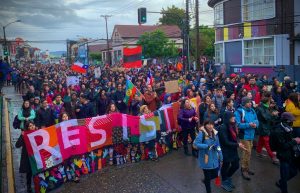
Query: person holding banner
{"x": 25, "y": 163}
{"x": 45, "y": 116}
{"x": 151, "y": 99}
{"x": 187, "y": 119}
{"x": 86, "y": 110}
{"x": 118, "y": 97}
{"x": 144, "y": 110}
{"x": 135, "y": 105}
{"x": 102, "y": 103}
{"x": 112, "y": 108}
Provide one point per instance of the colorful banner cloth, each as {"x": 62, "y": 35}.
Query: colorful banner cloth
{"x": 51, "y": 146}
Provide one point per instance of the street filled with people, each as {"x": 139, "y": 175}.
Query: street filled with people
{"x": 235, "y": 115}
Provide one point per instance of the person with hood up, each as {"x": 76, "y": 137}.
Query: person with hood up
{"x": 247, "y": 122}
{"x": 167, "y": 99}
{"x": 228, "y": 135}
{"x": 288, "y": 88}
{"x": 285, "y": 143}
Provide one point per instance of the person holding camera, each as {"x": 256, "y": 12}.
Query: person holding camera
{"x": 210, "y": 156}
{"x": 287, "y": 148}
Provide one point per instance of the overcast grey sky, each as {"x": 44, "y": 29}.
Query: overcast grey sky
{"x": 69, "y": 19}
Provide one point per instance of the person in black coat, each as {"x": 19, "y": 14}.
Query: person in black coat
{"x": 135, "y": 105}
{"x": 45, "y": 115}
{"x": 228, "y": 135}
{"x": 25, "y": 163}
{"x": 86, "y": 110}
{"x": 118, "y": 98}
{"x": 102, "y": 102}
{"x": 284, "y": 144}
{"x": 203, "y": 108}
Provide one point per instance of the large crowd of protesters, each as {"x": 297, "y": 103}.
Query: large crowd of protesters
{"x": 235, "y": 112}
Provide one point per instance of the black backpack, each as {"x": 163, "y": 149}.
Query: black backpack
{"x": 16, "y": 123}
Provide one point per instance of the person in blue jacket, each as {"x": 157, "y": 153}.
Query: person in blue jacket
{"x": 247, "y": 122}
{"x": 210, "y": 155}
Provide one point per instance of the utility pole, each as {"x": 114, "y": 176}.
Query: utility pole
{"x": 107, "y": 41}
{"x": 197, "y": 36}
{"x": 186, "y": 39}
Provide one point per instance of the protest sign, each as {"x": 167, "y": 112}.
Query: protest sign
{"x": 171, "y": 86}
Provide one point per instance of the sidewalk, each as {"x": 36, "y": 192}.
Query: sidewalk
{"x": 14, "y": 106}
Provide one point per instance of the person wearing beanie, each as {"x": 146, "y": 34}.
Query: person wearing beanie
{"x": 36, "y": 104}
{"x": 228, "y": 135}
{"x": 284, "y": 144}
{"x": 247, "y": 122}
{"x": 265, "y": 118}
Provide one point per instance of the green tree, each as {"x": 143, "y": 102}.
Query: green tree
{"x": 95, "y": 56}
{"x": 173, "y": 16}
{"x": 207, "y": 39}
{"x": 156, "y": 45}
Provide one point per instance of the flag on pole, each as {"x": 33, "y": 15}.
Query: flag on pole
{"x": 132, "y": 57}
{"x": 149, "y": 78}
{"x": 131, "y": 91}
{"x": 79, "y": 67}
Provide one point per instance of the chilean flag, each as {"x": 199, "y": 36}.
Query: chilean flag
{"x": 79, "y": 67}
{"x": 149, "y": 78}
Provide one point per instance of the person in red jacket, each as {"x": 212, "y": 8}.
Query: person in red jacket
{"x": 254, "y": 89}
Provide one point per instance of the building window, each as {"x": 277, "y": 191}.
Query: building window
{"x": 258, "y": 9}
{"x": 218, "y": 13}
{"x": 219, "y": 53}
{"x": 259, "y": 52}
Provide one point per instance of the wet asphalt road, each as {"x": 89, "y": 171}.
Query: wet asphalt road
{"x": 174, "y": 173}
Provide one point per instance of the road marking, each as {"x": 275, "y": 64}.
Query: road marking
{"x": 9, "y": 159}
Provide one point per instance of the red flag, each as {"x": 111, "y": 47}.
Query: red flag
{"x": 132, "y": 57}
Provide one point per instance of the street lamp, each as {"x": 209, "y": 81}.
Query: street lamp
{"x": 5, "y": 46}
